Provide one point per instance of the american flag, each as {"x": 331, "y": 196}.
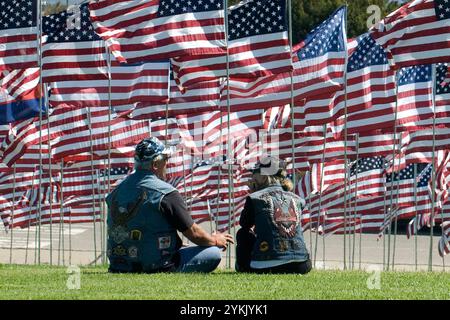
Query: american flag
{"x": 18, "y": 34}
{"x": 71, "y": 49}
{"x": 444, "y": 242}
{"x": 402, "y": 186}
{"x": 203, "y": 97}
{"x": 112, "y": 176}
{"x": 131, "y": 85}
{"x": 258, "y": 46}
{"x": 143, "y": 30}
{"x": 370, "y": 87}
{"x": 318, "y": 74}
{"x": 417, "y": 33}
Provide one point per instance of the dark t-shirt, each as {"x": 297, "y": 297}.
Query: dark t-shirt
{"x": 247, "y": 219}
{"x": 174, "y": 207}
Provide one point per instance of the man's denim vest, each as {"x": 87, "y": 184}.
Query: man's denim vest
{"x": 140, "y": 238}
{"x": 278, "y": 226}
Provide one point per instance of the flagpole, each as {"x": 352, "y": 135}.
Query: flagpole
{"x": 393, "y": 170}
{"x": 61, "y": 216}
{"x": 29, "y": 219}
{"x": 39, "y": 21}
{"x": 50, "y": 178}
{"x": 416, "y": 216}
{"x": 291, "y": 35}
{"x": 230, "y": 181}
{"x": 433, "y": 177}
{"x": 93, "y": 184}
{"x": 345, "y": 134}
{"x": 396, "y": 215}
{"x": 356, "y": 204}
{"x": 11, "y": 225}
{"x": 103, "y": 220}
{"x": 322, "y": 171}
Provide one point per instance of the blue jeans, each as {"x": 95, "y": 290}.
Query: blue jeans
{"x": 198, "y": 259}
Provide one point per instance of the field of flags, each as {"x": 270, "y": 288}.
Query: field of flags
{"x": 363, "y": 123}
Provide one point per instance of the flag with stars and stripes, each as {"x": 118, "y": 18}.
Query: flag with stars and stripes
{"x": 319, "y": 68}
{"x": 370, "y": 89}
{"x": 131, "y": 85}
{"x": 111, "y": 177}
{"x": 145, "y": 30}
{"x": 410, "y": 190}
{"x": 18, "y": 34}
{"x": 417, "y": 33}
{"x": 444, "y": 242}
{"x": 257, "y": 41}
{"x": 71, "y": 49}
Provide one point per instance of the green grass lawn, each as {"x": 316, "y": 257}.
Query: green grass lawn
{"x": 45, "y": 282}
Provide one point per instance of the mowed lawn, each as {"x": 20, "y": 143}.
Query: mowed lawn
{"x": 45, "y": 282}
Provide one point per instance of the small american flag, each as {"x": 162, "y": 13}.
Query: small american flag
{"x": 72, "y": 50}
{"x": 258, "y": 45}
{"x": 318, "y": 74}
{"x": 18, "y": 34}
{"x": 144, "y": 30}
{"x": 444, "y": 242}
{"x": 417, "y": 33}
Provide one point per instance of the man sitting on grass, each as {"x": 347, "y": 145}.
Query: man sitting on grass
{"x": 144, "y": 215}
{"x": 271, "y": 237}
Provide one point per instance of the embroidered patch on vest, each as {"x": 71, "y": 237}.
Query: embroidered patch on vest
{"x": 284, "y": 213}
{"x": 264, "y": 246}
{"x": 118, "y": 233}
{"x": 133, "y": 252}
{"x": 164, "y": 243}
{"x": 119, "y": 251}
{"x": 135, "y": 235}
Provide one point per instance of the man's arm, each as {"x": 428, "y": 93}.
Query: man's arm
{"x": 175, "y": 208}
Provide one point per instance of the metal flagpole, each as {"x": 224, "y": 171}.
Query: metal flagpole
{"x": 322, "y": 171}
{"x": 356, "y": 202}
{"x": 396, "y": 218}
{"x": 103, "y": 220}
{"x": 61, "y": 217}
{"x": 50, "y": 179}
{"x": 29, "y": 218}
{"x": 415, "y": 221}
{"x": 229, "y": 160}
{"x": 385, "y": 216}
{"x": 345, "y": 135}
{"x": 11, "y": 225}
{"x": 93, "y": 184}
{"x": 393, "y": 170}
{"x": 39, "y": 21}
{"x": 294, "y": 178}
{"x": 433, "y": 176}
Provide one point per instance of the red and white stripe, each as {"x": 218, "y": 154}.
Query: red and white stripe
{"x": 134, "y": 32}
{"x": 414, "y": 35}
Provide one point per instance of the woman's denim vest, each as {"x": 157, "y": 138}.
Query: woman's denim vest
{"x": 279, "y": 234}
{"x": 140, "y": 238}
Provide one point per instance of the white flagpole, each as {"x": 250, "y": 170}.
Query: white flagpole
{"x": 345, "y": 135}
{"x": 322, "y": 171}
{"x": 39, "y": 22}
{"x": 229, "y": 146}
{"x": 433, "y": 176}
{"x": 11, "y": 223}
{"x": 93, "y": 185}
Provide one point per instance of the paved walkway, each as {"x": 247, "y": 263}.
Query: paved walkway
{"x": 73, "y": 245}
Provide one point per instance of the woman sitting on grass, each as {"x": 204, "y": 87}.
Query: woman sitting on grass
{"x": 271, "y": 237}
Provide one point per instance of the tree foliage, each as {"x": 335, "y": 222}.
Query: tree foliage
{"x": 53, "y": 8}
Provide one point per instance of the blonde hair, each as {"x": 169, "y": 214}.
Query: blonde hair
{"x": 264, "y": 181}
